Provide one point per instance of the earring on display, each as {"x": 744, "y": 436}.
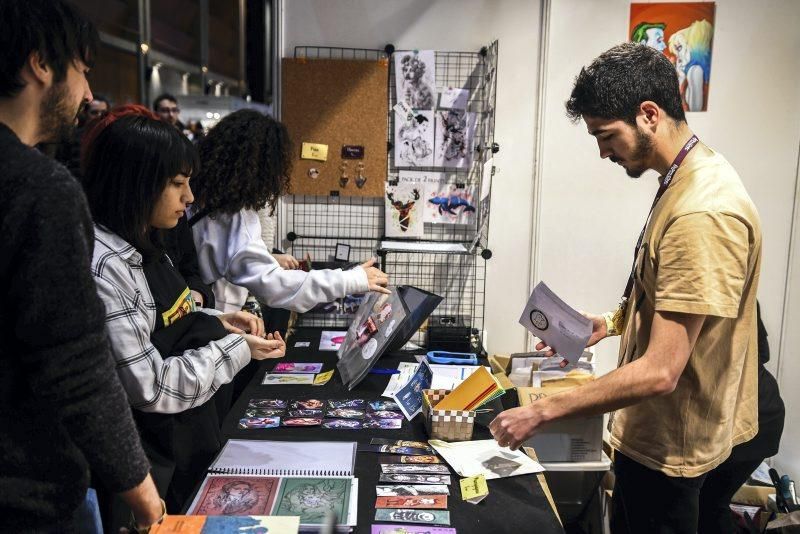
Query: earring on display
{"x": 313, "y": 173}
{"x": 360, "y": 179}
{"x": 344, "y": 178}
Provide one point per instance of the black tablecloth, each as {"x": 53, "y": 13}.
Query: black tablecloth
{"x": 515, "y": 504}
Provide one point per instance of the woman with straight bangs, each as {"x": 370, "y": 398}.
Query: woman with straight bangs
{"x": 246, "y": 160}
{"x": 171, "y": 358}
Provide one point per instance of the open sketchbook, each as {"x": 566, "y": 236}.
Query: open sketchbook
{"x": 286, "y": 458}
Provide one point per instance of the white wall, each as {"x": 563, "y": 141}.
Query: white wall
{"x": 460, "y": 25}
{"x": 591, "y": 212}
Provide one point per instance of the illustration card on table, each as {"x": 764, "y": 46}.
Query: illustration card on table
{"x": 414, "y": 140}
{"x": 415, "y": 78}
{"x": 414, "y": 478}
{"x": 302, "y": 421}
{"x": 236, "y": 495}
{"x": 312, "y": 498}
{"x": 308, "y": 404}
{"x": 342, "y": 424}
{"x": 397, "y": 490}
{"x": 330, "y": 340}
{"x": 383, "y": 424}
{"x": 410, "y": 529}
{"x": 297, "y": 367}
{"x": 287, "y": 378}
{"x": 259, "y": 422}
{"x": 404, "y": 210}
{"x": 415, "y": 468}
{"x": 426, "y": 502}
{"x": 402, "y": 443}
{"x": 277, "y": 404}
{"x": 405, "y": 515}
{"x": 455, "y": 130}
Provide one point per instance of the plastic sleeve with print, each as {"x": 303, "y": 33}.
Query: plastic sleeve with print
{"x": 703, "y": 263}
{"x": 230, "y": 246}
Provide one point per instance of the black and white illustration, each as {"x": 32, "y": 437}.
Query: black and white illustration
{"x": 455, "y": 130}
{"x": 413, "y": 139}
{"x": 415, "y": 78}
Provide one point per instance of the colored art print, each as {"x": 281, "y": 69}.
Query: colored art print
{"x": 383, "y": 405}
{"x": 355, "y": 404}
{"x": 412, "y": 489}
{"x": 308, "y": 404}
{"x": 415, "y": 78}
{"x": 250, "y": 423}
{"x": 302, "y": 421}
{"x": 420, "y": 460}
{"x": 263, "y": 412}
{"x": 402, "y": 443}
{"x": 342, "y": 424}
{"x": 292, "y": 367}
{"x": 383, "y": 424}
{"x": 414, "y": 139}
{"x": 414, "y": 478}
{"x": 684, "y": 32}
{"x": 345, "y": 413}
{"x": 267, "y": 403}
{"x": 410, "y": 529}
{"x": 385, "y": 414}
{"x": 304, "y": 413}
{"x": 404, "y": 210}
{"x": 405, "y": 515}
{"x": 331, "y": 341}
{"x": 450, "y": 204}
{"x": 428, "y": 502}
{"x": 236, "y": 495}
{"x": 415, "y": 468}
{"x": 312, "y": 498}
{"x": 455, "y": 130}
{"x": 287, "y": 379}
{"x": 395, "y": 449}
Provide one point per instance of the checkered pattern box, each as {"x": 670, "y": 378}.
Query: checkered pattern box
{"x": 447, "y": 425}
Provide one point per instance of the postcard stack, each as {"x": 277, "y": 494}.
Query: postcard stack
{"x": 478, "y": 389}
{"x": 307, "y": 479}
{"x": 413, "y": 487}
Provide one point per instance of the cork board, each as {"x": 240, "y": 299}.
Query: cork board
{"x": 337, "y": 102}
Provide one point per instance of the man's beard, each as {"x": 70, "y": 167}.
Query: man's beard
{"x": 642, "y": 149}
{"x": 57, "y": 117}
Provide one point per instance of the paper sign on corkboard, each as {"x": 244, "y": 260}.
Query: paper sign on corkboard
{"x": 338, "y": 103}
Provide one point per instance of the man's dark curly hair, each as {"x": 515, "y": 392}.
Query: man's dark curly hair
{"x": 620, "y": 79}
{"x": 245, "y": 164}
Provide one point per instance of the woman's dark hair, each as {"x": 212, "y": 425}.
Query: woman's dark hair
{"x": 54, "y": 28}
{"x": 620, "y": 79}
{"x": 246, "y": 160}
{"x": 128, "y": 158}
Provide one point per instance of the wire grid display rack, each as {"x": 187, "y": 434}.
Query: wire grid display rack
{"x": 313, "y": 225}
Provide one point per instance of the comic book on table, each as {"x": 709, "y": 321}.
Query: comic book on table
{"x": 282, "y": 478}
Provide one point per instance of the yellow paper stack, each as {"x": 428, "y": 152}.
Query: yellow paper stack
{"x": 478, "y": 389}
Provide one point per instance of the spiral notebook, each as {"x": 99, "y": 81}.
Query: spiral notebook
{"x": 286, "y": 458}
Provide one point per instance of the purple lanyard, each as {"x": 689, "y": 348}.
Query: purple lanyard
{"x": 665, "y": 181}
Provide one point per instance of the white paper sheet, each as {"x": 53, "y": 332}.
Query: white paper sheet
{"x": 485, "y": 457}
{"x": 550, "y": 319}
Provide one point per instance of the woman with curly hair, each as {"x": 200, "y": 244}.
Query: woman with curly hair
{"x": 245, "y": 167}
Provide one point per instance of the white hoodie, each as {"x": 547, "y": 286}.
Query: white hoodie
{"x": 232, "y": 256}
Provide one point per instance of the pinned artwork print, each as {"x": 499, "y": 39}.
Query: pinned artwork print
{"x": 404, "y": 210}
{"x": 413, "y": 139}
{"x": 455, "y": 130}
{"x": 684, "y": 32}
{"x": 415, "y": 78}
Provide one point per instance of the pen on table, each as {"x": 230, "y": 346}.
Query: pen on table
{"x": 384, "y": 371}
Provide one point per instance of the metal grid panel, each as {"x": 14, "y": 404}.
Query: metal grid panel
{"x": 315, "y": 224}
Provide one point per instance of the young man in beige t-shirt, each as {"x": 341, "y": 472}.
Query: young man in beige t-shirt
{"x": 685, "y": 391}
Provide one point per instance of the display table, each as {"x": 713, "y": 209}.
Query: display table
{"x": 515, "y": 504}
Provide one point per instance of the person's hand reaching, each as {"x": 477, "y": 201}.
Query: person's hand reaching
{"x": 377, "y": 279}
{"x": 242, "y": 322}
{"x": 272, "y": 346}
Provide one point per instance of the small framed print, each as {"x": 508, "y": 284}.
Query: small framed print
{"x": 342, "y": 252}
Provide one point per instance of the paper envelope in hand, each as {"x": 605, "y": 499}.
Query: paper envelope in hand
{"x": 550, "y": 319}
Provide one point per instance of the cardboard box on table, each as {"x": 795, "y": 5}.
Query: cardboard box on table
{"x": 578, "y": 439}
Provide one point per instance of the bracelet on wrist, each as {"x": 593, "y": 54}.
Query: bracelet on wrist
{"x": 136, "y": 529}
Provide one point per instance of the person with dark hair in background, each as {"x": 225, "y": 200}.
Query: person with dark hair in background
{"x": 170, "y": 357}
{"x": 166, "y": 107}
{"x": 63, "y": 411}
{"x": 685, "y": 391}
{"x": 69, "y": 152}
{"x": 96, "y": 109}
{"x": 725, "y": 480}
